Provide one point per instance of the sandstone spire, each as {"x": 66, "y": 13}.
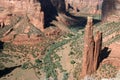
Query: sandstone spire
{"x": 97, "y": 49}
{"x": 92, "y": 48}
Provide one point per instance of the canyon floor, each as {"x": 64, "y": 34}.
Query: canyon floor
{"x": 61, "y": 58}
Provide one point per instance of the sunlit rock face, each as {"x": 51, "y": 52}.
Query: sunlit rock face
{"x": 22, "y": 6}
{"x": 84, "y": 6}
{"x": 51, "y": 9}
{"x": 23, "y": 21}
{"x": 92, "y": 49}
{"x": 29, "y": 8}
{"x": 24, "y": 18}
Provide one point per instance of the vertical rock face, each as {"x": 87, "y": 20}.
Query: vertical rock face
{"x": 92, "y": 48}
{"x": 28, "y": 18}
{"x": 111, "y": 10}
{"x": 60, "y": 5}
{"x": 88, "y": 56}
{"x": 97, "y": 49}
{"x": 51, "y": 9}
{"x": 84, "y": 6}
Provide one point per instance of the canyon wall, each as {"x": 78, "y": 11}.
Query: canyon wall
{"x": 51, "y": 9}
{"x": 111, "y": 10}
{"x": 29, "y": 8}
{"x": 28, "y": 19}
{"x": 85, "y": 6}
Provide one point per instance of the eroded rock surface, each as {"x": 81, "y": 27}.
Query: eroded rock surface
{"x": 23, "y": 21}
{"x": 111, "y": 10}
{"x": 92, "y": 49}
{"x": 30, "y": 8}
{"x": 114, "y": 56}
{"x": 84, "y": 6}
{"x": 29, "y": 18}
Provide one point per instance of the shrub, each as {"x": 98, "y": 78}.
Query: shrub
{"x": 72, "y": 62}
{"x": 65, "y": 76}
{"x": 25, "y": 65}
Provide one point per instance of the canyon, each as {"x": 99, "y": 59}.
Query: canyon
{"x": 59, "y": 39}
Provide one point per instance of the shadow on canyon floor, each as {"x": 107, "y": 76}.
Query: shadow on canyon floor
{"x": 49, "y": 10}
{"x": 1, "y": 46}
{"x": 104, "y": 54}
{"x": 7, "y": 71}
{"x": 80, "y": 22}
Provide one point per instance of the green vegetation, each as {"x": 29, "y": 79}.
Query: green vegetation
{"x": 2, "y": 66}
{"x": 77, "y": 46}
{"x": 72, "y": 62}
{"x": 51, "y": 60}
{"x": 77, "y": 70}
{"x": 116, "y": 38}
{"x": 38, "y": 61}
{"x": 70, "y": 35}
{"x": 25, "y": 65}
{"x": 4, "y": 59}
{"x": 65, "y": 77}
{"x": 21, "y": 49}
{"x": 71, "y": 53}
{"x": 111, "y": 28}
{"x": 107, "y": 71}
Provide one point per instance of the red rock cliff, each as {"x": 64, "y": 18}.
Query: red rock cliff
{"x": 31, "y": 8}
{"x": 85, "y": 6}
